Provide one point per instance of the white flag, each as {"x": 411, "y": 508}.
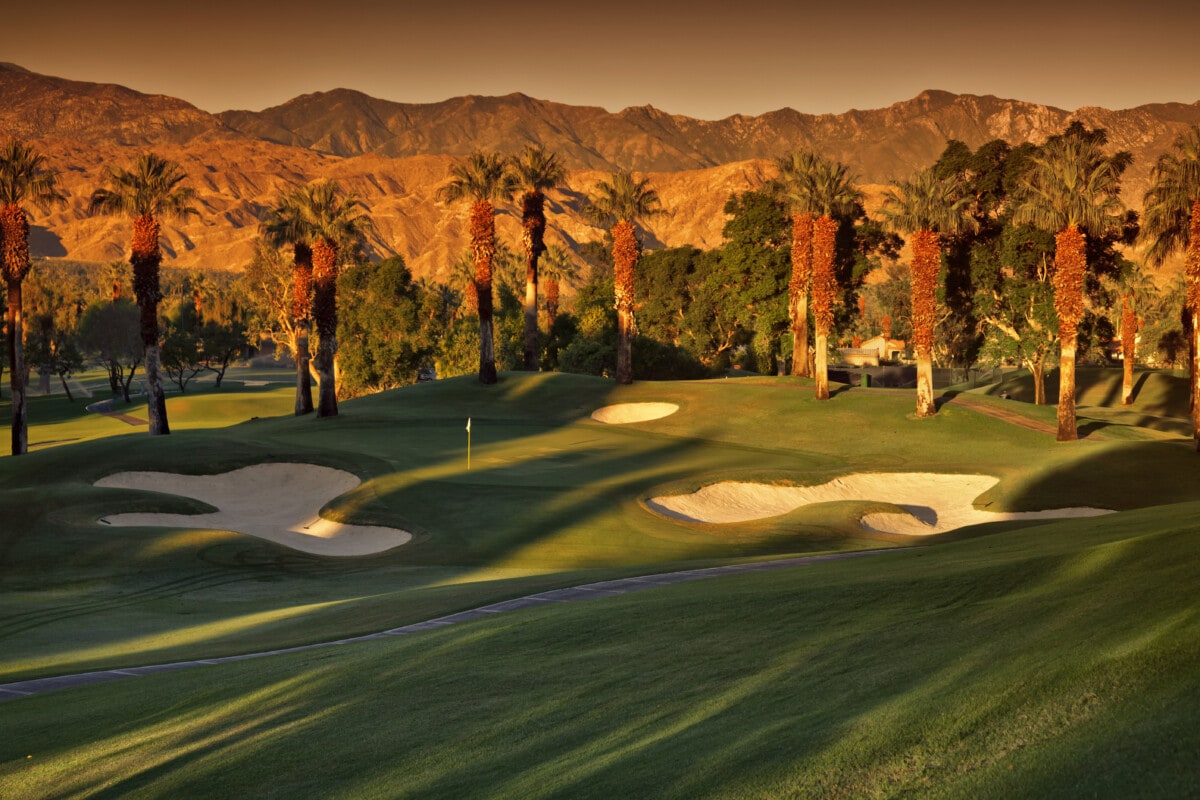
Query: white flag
{"x": 468, "y": 424}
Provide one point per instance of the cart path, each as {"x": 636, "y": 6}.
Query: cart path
{"x": 975, "y": 404}
{"x": 611, "y": 588}
{"x": 104, "y": 407}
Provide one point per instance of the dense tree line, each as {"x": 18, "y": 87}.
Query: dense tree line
{"x": 1017, "y": 255}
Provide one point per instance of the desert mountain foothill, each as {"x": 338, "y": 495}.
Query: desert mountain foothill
{"x": 396, "y": 155}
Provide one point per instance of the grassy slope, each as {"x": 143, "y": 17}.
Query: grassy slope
{"x": 1056, "y": 661}
{"x": 854, "y": 678}
{"x": 550, "y": 496}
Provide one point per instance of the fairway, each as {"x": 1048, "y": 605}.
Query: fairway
{"x": 1003, "y": 659}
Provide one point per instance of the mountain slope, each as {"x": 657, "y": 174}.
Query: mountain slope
{"x": 396, "y": 154}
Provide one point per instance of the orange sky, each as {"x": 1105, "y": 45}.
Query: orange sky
{"x": 706, "y": 60}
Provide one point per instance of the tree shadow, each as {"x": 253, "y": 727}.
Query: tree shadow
{"x": 44, "y": 243}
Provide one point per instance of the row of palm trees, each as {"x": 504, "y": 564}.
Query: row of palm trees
{"x": 1070, "y": 190}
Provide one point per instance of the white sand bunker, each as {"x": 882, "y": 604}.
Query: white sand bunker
{"x": 935, "y": 503}
{"x": 279, "y": 502}
{"x": 623, "y": 413}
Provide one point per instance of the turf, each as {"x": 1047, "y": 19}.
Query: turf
{"x": 844, "y": 680}
{"x": 1052, "y": 662}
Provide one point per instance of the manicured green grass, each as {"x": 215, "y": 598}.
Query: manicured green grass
{"x": 1058, "y": 661}
{"x": 553, "y": 498}
{"x": 927, "y": 670}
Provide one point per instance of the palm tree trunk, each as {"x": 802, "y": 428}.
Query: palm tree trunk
{"x": 534, "y": 221}
{"x": 1067, "y": 431}
{"x": 304, "y": 400}
{"x": 1128, "y": 348}
{"x": 301, "y": 312}
{"x": 802, "y": 254}
{"x": 625, "y": 255}
{"x": 824, "y": 288}
{"x": 551, "y": 301}
{"x": 14, "y": 236}
{"x": 483, "y": 248}
{"x": 1192, "y": 271}
{"x": 16, "y": 370}
{"x": 145, "y": 259}
{"x": 926, "y": 264}
{"x": 1070, "y": 263}
{"x": 325, "y": 317}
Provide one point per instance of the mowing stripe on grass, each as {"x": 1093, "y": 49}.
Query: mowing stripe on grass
{"x": 611, "y": 588}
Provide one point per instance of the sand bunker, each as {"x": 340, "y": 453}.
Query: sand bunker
{"x": 935, "y": 503}
{"x": 279, "y": 502}
{"x": 623, "y": 413}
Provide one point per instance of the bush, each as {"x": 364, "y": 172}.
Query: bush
{"x": 656, "y": 361}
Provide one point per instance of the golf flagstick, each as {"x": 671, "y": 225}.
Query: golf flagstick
{"x": 468, "y": 444}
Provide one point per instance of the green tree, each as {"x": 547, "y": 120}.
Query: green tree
{"x": 110, "y": 332}
{"x": 1171, "y": 223}
{"x": 150, "y": 190}
{"x": 1071, "y": 190}
{"x": 24, "y": 179}
{"x": 484, "y": 179}
{"x": 387, "y": 328}
{"x": 536, "y": 170}
{"x": 925, "y": 207}
{"x": 620, "y": 203}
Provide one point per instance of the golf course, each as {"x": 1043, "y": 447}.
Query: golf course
{"x": 1026, "y": 657}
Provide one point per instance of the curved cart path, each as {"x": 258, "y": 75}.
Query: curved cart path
{"x": 18, "y": 689}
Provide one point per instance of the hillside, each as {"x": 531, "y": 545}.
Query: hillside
{"x": 396, "y": 154}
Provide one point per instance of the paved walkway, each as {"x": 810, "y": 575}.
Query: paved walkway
{"x": 19, "y": 689}
{"x": 1012, "y": 417}
{"x": 105, "y": 407}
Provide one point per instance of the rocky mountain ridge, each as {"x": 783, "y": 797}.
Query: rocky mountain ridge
{"x": 395, "y": 155}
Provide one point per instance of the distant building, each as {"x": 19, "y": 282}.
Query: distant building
{"x": 886, "y": 348}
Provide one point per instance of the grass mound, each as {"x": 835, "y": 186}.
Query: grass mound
{"x": 1056, "y": 661}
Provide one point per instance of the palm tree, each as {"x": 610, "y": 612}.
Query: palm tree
{"x": 24, "y": 178}
{"x": 285, "y": 225}
{"x": 150, "y": 190}
{"x": 926, "y": 207}
{"x": 484, "y": 179}
{"x": 829, "y": 194}
{"x": 1170, "y": 223}
{"x": 536, "y": 170}
{"x": 1070, "y": 190}
{"x": 620, "y": 203}
{"x": 336, "y": 223}
{"x": 796, "y": 173}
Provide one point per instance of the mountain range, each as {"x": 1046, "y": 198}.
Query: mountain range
{"x": 395, "y": 155}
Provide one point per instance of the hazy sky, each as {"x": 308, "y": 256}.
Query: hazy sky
{"x": 703, "y": 59}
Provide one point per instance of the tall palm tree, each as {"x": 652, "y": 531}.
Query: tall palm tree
{"x": 284, "y": 225}
{"x": 536, "y": 170}
{"x": 485, "y": 179}
{"x": 24, "y": 179}
{"x": 150, "y": 190}
{"x": 831, "y": 196}
{"x": 1070, "y": 190}
{"x": 1171, "y": 222}
{"x": 796, "y": 175}
{"x": 336, "y": 223}
{"x": 620, "y": 203}
{"x": 927, "y": 207}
